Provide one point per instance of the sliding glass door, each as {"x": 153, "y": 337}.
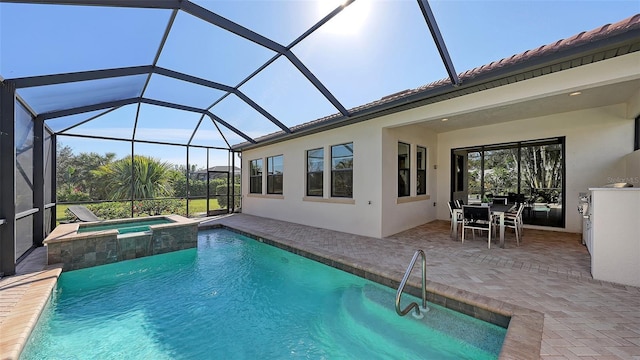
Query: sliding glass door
{"x": 541, "y": 183}
{"x": 529, "y": 172}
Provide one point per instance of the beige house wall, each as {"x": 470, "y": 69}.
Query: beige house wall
{"x": 598, "y": 140}
{"x": 403, "y": 213}
{"x": 360, "y": 215}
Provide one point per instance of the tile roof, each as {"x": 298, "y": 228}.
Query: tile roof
{"x": 629, "y": 25}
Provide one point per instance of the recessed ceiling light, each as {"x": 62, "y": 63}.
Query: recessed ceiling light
{"x": 445, "y": 119}
{"x": 575, "y": 93}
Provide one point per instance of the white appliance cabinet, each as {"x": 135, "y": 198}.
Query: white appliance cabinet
{"x": 615, "y": 235}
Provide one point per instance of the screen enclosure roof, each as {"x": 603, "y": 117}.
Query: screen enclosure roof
{"x": 229, "y": 74}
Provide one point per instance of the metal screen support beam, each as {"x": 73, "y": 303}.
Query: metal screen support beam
{"x": 314, "y": 80}
{"x": 87, "y": 108}
{"x": 44, "y": 80}
{"x": 228, "y": 126}
{"x": 54, "y": 179}
{"x": 38, "y": 182}
{"x": 146, "y": 4}
{"x": 262, "y": 111}
{"x": 7, "y": 179}
{"x": 215, "y": 19}
{"x": 188, "y": 174}
{"x": 437, "y": 37}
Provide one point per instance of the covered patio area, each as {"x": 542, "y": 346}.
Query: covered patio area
{"x": 545, "y": 280}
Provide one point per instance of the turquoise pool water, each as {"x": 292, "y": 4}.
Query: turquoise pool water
{"x": 236, "y": 298}
{"x": 124, "y": 227}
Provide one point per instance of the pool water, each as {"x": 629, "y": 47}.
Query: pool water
{"x": 236, "y": 298}
{"x": 124, "y": 227}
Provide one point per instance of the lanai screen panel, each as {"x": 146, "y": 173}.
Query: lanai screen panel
{"x": 284, "y": 92}
{"x": 200, "y": 49}
{"x": 286, "y": 19}
{"x": 59, "y": 124}
{"x": 176, "y": 91}
{"x": 372, "y": 52}
{"x": 208, "y": 134}
{"x": 44, "y": 99}
{"x": 24, "y": 160}
{"x": 116, "y": 124}
{"x": 42, "y": 39}
{"x": 369, "y": 50}
{"x": 157, "y": 123}
{"x": 244, "y": 118}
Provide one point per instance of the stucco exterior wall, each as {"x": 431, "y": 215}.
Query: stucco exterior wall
{"x": 361, "y": 216}
{"x": 403, "y": 213}
{"x": 597, "y": 141}
{"x": 633, "y": 107}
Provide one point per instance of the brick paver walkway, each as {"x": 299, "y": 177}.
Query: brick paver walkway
{"x": 549, "y": 273}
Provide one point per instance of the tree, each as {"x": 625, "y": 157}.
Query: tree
{"x": 542, "y": 171}
{"x": 74, "y": 178}
{"x": 151, "y": 178}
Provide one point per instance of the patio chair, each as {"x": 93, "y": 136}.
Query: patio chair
{"x": 477, "y": 218}
{"x": 514, "y": 221}
{"x": 452, "y": 205}
{"x": 83, "y": 214}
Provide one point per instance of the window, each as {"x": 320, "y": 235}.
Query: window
{"x": 404, "y": 169}
{"x": 530, "y": 172}
{"x": 274, "y": 174}
{"x": 421, "y": 187}
{"x": 315, "y": 172}
{"x": 342, "y": 170}
{"x": 255, "y": 177}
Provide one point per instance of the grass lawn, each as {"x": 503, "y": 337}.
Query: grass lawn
{"x": 196, "y": 206}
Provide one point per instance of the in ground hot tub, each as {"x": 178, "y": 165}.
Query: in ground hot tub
{"x": 81, "y": 245}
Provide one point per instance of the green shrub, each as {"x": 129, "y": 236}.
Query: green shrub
{"x": 196, "y": 187}
{"x": 111, "y": 210}
{"x": 71, "y": 195}
{"x": 160, "y": 207}
{"x": 222, "y": 200}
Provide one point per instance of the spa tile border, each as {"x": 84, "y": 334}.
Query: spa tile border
{"x": 524, "y": 326}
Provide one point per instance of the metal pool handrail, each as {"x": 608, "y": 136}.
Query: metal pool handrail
{"x": 424, "y": 308}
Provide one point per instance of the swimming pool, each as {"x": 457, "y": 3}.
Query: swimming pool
{"x": 236, "y": 298}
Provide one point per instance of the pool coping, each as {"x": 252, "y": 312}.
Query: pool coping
{"x": 69, "y": 232}
{"x": 16, "y": 328}
{"x": 523, "y": 339}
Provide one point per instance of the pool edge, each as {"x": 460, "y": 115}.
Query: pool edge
{"x": 16, "y": 328}
{"x": 523, "y": 339}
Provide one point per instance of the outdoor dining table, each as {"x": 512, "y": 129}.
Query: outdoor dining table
{"x": 497, "y": 210}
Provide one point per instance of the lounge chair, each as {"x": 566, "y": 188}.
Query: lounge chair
{"x": 83, "y": 214}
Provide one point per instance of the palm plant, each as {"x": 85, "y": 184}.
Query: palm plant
{"x": 149, "y": 178}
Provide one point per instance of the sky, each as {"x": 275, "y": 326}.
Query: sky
{"x": 373, "y": 48}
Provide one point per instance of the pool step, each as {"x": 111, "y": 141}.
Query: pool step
{"x": 366, "y": 309}
{"x": 369, "y": 311}
{"x": 347, "y": 334}
{"x": 469, "y": 330}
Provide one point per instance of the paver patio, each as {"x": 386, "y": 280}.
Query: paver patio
{"x": 548, "y": 273}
